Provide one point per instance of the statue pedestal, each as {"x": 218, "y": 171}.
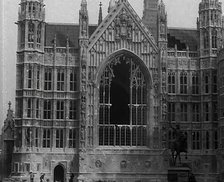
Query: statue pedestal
{"x": 178, "y": 174}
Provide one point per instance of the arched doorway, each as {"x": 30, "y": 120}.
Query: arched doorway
{"x": 59, "y": 174}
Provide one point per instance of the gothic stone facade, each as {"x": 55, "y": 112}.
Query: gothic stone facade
{"x": 96, "y": 102}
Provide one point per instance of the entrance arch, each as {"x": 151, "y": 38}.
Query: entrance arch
{"x": 59, "y": 174}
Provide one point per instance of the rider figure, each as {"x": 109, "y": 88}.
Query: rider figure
{"x": 179, "y": 143}
{"x": 177, "y": 133}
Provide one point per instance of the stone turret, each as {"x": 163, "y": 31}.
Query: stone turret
{"x": 31, "y": 25}
{"x": 83, "y": 21}
{"x": 162, "y": 22}
{"x": 150, "y": 16}
{"x": 210, "y": 26}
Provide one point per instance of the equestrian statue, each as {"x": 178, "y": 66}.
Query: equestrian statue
{"x": 178, "y": 144}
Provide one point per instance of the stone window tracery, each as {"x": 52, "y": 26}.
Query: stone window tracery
{"x": 73, "y": 81}
{"x": 38, "y": 78}
{"x": 171, "y": 82}
{"x": 206, "y": 83}
{"x": 46, "y": 138}
{"x": 47, "y": 109}
{"x": 72, "y": 109}
{"x": 195, "y": 83}
{"x": 206, "y": 39}
{"x": 183, "y": 83}
{"x": 39, "y": 33}
{"x": 48, "y": 79}
{"x": 196, "y": 140}
{"x": 214, "y": 82}
{"x": 72, "y": 138}
{"x": 60, "y": 80}
{"x": 123, "y": 104}
{"x": 29, "y": 77}
{"x": 60, "y": 110}
{"x": 214, "y": 39}
{"x": 29, "y": 108}
{"x": 59, "y": 138}
{"x": 37, "y": 108}
{"x": 206, "y": 111}
{"x": 36, "y": 137}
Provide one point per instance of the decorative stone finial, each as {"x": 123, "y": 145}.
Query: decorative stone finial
{"x": 100, "y": 14}
{"x": 9, "y": 105}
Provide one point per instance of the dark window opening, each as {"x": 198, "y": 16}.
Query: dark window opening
{"x": 59, "y": 138}
{"x": 123, "y": 103}
{"x": 39, "y": 33}
{"x": 46, "y": 138}
{"x": 48, "y": 79}
{"x": 73, "y": 81}
{"x": 171, "y": 82}
{"x": 206, "y": 83}
{"x": 214, "y": 39}
{"x": 195, "y": 112}
{"x": 196, "y": 140}
{"x": 171, "y": 112}
{"x": 195, "y": 83}
{"x": 207, "y": 140}
{"x": 120, "y": 96}
{"x": 183, "y": 83}
{"x": 216, "y": 141}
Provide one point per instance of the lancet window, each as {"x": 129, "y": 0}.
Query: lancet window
{"x": 39, "y": 33}
{"x": 31, "y": 32}
{"x": 183, "y": 83}
{"x": 195, "y": 83}
{"x": 206, "y": 40}
{"x": 171, "y": 82}
{"x": 214, "y": 39}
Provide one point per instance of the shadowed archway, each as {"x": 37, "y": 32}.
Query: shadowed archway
{"x": 59, "y": 174}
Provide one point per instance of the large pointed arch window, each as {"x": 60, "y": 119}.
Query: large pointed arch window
{"x": 123, "y": 104}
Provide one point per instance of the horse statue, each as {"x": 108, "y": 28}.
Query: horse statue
{"x": 178, "y": 145}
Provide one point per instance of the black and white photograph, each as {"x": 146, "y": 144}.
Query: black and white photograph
{"x": 111, "y": 91}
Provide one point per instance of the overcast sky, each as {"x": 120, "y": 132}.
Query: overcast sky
{"x": 181, "y": 13}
